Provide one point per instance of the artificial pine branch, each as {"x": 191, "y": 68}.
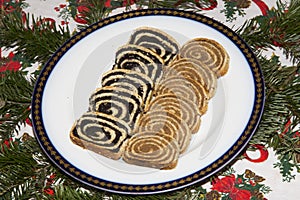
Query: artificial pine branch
{"x": 279, "y": 28}
{"x": 15, "y": 95}
{"x": 35, "y": 38}
{"x": 22, "y": 169}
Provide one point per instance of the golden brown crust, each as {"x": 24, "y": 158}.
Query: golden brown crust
{"x": 208, "y": 51}
{"x": 152, "y": 149}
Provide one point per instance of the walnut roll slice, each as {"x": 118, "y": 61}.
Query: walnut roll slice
{"x": 185, "y": 87}
{"x": 159, "y": 121}
{"x": 179, "y": 106}
{"x": 195, "y": 70}
{"x": 209, "y": 52}
{"x": 150, "y": 149}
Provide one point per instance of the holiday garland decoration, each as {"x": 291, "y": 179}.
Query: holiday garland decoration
{"x": 26, "y": 172}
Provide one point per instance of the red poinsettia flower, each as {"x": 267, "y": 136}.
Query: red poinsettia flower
{"x": 227, "y": 185}
{"x": 107, "y": 3}
{"x": 4, "y": 6}
{"x": 11, "y": 65}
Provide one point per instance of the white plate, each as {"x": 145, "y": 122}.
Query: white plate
{"x": 67, "y": 80}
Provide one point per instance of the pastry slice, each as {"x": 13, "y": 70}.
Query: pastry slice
{"x": 100, "y": 133}
{"x": 156, "y": 40}
{"x": 195, "y": 70}
{"x": 150, "y": 149}
{"x": 129, "y": 79}
{"x": 208, "y": 51}
{"x": 118, "y": 102}
{"x": 184, "y": 87}
{"x": 139, "y": 59}
{"x": 183, "y": 108}
{"x": 160, "y": 121}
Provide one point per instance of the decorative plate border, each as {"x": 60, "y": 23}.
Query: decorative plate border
{"x": 54, "y": 155}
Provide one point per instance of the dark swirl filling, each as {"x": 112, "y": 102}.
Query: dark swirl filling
{"x": 139, "y": 59}
{"x": 103, "y": 130}
{"x": 132, "y": 80}
{"x": 118, "y": 102}
{"x": 160, "y": 42}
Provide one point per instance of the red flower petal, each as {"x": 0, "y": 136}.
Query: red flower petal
{"x": 238, "y": 194}
{"x": 11, "y": 66}
{"x": 224, "y": 184}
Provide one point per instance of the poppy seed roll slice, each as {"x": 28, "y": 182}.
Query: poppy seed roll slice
{"x": 118, "y": 102}
{"x": 139, "y": 59}
{"x": 129, "y": 79}
{"x": 100, "y": 133}
{"x": 156, "y": 40}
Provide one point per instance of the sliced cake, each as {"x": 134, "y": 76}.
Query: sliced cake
{"x": 100, "y": 133}
{"x": 150, "y": 149}
{"x": 156, "y": 40}
{"x": 183, "y": 108}
{"x": 184, "y": 87}
{"x": 129, "y": 79}
{"x": 196, "y": 70}
{"x": 118, "y": 102}
{"x": 208, "y": 51}
{"x": 159, "y": 121}
{"x": 139, "y": 59}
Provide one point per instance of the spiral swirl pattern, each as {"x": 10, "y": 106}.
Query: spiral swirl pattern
{"x": 150, "y": 149}
{"x": 101, "y": 133}
{"x": 166, "y": 123}
{"x": 137, "y": 82}
{"x": 139, "y": 59}
{"x": 209, "y": 52}
{"x": 184, "y": 87}
{"x": 118, "y": 102}
{"x": 156, "y": 40}
{"x": 174, "y": 105}
{"x": 195, "y": 70}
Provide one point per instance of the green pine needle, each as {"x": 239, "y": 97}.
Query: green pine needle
{"x": 36, "y": 39}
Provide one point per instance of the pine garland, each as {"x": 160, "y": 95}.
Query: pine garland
{"x": 25, "y": 172}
